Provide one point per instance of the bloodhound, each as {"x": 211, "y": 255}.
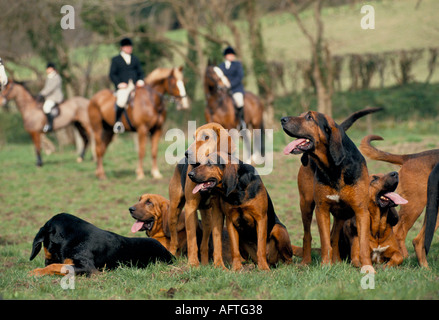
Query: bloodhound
{"x": 382, "y": 202}
{"x": 340, "y": 179}
{"x": 254, "y": 229}
{"x": 414, "y": 174}
{"x": 69, "y": 240}
{"x": 305, "y": 181}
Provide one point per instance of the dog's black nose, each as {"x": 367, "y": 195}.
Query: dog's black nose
{"x": 284, "y": 120}
{"x": 394, "y": 174}
{"x": 132, "y": 209}
{"x": 191, "y": 174}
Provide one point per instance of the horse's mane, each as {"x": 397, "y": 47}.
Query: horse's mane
{"x": 24, "y": 85}
{"x": 160, "y": 74}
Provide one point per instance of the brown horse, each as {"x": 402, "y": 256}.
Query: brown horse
{"x": 72, "y": 111}
{"x": 220, "y": 106}
{"x": 146, "y": 114}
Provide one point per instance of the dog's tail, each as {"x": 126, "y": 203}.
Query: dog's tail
{"x": 432, "y": 207}
{"x": 349, "y": 121}
{"x": 371, "y": 152}
{"x": 38, "y": 240}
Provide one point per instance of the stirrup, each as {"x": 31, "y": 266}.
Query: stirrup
{"x": 46, "y": 128}
{"x": 118, "y": 127}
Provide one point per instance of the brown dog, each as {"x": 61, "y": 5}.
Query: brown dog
{"x": 208, "y": 138}
{"x": 414, "y": 173}
{"x": 341, "y": 179}
{"x": 254, "y": 229}
{"x": 151, "y": 215}
{"x": 305, "y": 181}
{"x": 383, "y": 216}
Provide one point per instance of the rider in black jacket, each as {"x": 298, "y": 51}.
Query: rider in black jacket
{"x": 125, "y": 73}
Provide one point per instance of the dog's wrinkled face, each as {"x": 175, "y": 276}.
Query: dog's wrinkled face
{"x": 148, "y": 213}
{"x": 382, "y": 190}
{"x": 220, "y": 170}
{"x": 316, "y": 133}
{"x": 208, "y": 175}
{"x": 210, "y": 138}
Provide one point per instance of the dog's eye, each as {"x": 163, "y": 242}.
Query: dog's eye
{"x": 375, "y": 178}
{"x": 205, "y": 138}
{"x": 148, "y": 202}
{"x": 308, "y": 116}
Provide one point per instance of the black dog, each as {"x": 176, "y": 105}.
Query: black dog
{"x": 69, "y": 240}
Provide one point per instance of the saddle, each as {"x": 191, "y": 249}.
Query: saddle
{"x": 55, "y": 111}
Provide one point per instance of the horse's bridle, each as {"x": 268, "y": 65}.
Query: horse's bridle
{"x": 172, "y": 97}
{"x": 217, "y": 86}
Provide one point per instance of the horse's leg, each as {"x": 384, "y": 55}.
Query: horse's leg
{"x": 37, "y": 142}
{"x": 85, "y": 138}
{"x": 155, "y": 137}
{"x": 142, "y": 131}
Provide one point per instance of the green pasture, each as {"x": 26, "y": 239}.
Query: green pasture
{"x": 29, "y": 196}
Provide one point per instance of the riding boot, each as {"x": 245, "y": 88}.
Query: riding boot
{"x": 241, "y": 118}
{"x": 49, "y": 126}
{"x": 118, "y": 125}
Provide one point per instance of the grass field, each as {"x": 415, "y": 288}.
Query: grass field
{"x": 29, "y": 196}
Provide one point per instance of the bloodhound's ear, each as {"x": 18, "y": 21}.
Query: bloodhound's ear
{"x": 230, "y": 178}
{"x": 164, "y": 206}
{"x": 392, "y": 217}
{"x": 336, "y": 149}
{"x": 304, "y": 159}
{"x": 36, "y": 245}
{"x": 226, "y": 142}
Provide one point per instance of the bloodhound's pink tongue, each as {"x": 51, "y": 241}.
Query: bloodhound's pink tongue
{"x": 137, "y": 226}
{"x": 396, "y": 198}
{"x": 293, "y": 145}
{"x": 197, "y": 188}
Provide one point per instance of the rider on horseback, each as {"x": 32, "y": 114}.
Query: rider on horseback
{"x": 234, "y": 71}
{"x": 52, "y": 94}
{"x": 125, "y": 70}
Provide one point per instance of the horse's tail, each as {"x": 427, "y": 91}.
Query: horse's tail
{"x": 432, "y": 207}
{"x": 369, "y": 151}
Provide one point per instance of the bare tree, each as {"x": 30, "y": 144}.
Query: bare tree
{"x": 322, "y": 69}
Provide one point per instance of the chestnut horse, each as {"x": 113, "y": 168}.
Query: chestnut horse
{"x": 220, "y": 106}
{"x": 146, "y": 113}
{"x": 72, "y": 111}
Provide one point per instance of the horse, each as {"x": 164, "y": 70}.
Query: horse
{"x": 220, "y": 106}
{"x": 146, "y": 114}
{"x": 72, "y": 111}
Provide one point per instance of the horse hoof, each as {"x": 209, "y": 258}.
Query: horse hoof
{"x": 156, "y": 174}
{"x": 140, "y": 175}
